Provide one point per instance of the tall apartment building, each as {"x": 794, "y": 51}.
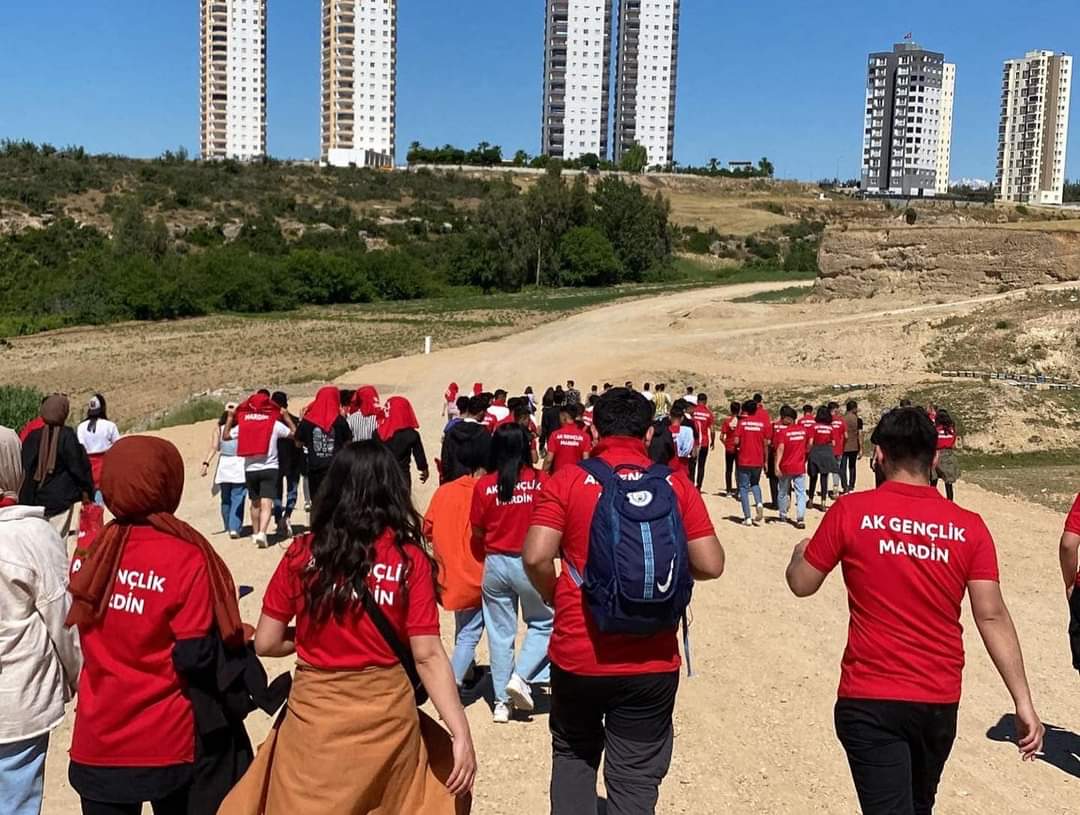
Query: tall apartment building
{"x": 232, "y": 81}
{"x": 577, "y": 78}
{"x": 646, "y": 78}
{"x": 1034, "y": 128}
{"x": 359, "y": 82}
{"x": 907, "y": 129}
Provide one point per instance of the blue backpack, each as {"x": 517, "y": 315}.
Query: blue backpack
{"x": 637, "y": 577}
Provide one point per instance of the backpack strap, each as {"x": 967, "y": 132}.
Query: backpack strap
{"x": 598, "y": 469}
{"x": 659, "y": 471}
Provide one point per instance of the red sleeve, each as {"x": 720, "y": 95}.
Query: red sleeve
{"x": 768, "y": 431}
{"x": 827, "y": 545}
{"x": 586, "y": 442}
{"x": 695, "y": 516}
{"x": 1072, "y": 523}
{"x": 422, "y": 615}
{"x": 282, "y": 598}
{"x": 552, "y": 502}
{"x": 983, "y": 564}
{"x": 738, "y": 434}
{"x": 480, "y": 505}
{"x": 194, "y": 616}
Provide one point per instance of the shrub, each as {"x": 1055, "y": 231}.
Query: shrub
{"x": 588, "y": 258}
{"x": 911, "y": 216}
{"x": 18, "y": 405}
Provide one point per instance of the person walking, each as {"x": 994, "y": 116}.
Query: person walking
{"x": 662, "y": 401}
{"x": 365, "y": 413}
{"x": 705, "y": 428}
{"x": 262, "y": 424}
{"x": 291, "y": 467}
{"x": 57, "y": 469}
{"x": 947, "y": 467}
{"x": 361, "y": 590}
{"x": 399, "y": 431}
{"x": 839, "y": 426}
{"x": 97, "y": 434}
{"x": 502, "y": 506}
{"x": 908, "y": 557}
{"x": 550, "y": 418}
{"x": 469, "y": 432}
{"x": 752, "y": 438}
{"x": 323, "y": 432}
{"x": 731, "y": 448}
{"x": 822, "y": 460}
{"x": 145, "y": 597}
{"x": 229, "y": 478}
{"x": 41, "y": 656}
{"x": 852, "y": 444}
{"x": 450, "y": 409}
{"x": 612, "y": 695}
{"x": 790, "y": 443}
{"x": 568, "y": 445}
{"x": 573, "y": 395}
{"x": 1069, "y": 556}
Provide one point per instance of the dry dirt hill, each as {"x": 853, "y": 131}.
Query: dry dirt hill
{"x": 754, "y": 726}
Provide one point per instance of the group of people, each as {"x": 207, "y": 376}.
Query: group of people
{"x": 594, "y": 530}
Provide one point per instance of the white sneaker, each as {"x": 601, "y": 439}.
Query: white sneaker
{"x": 260, "y": 540}
{"x": 502, "y": 713}
{"x": 760, "y": 513}
{"x": 234, "y": 535}
{"x": 747, "y": 522}
{"x": 520, "y": 693}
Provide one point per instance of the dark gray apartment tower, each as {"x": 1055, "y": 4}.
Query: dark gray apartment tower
{"x": 577, "y": 78}
{"x": 907, "y": 127}
{"x": 646, "y": 78}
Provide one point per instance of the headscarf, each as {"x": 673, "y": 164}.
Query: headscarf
{"x": 365, "y": 401}
{"x": 399, "y": 416}
{"x": 94, "y": 411}
{"x": 326, "y": 408}
{"x": 54, "y": 412}
{"x": 142, "y": 479}
{"x": 477, "y": 388}
{"x": 452, "y": 392}
{"x": 11, "y": 471}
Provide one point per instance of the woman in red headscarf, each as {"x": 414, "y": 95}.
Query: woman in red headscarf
{"x": 450, "y": 408}
{"x": 398, "y": 431}
{"x": 149, "y": 585}
{"x": 365, "y": 413}
{"x": 323, "y": 432}
{"x": 477, "y": 388}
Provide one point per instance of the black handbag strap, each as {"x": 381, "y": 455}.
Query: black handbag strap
{"x": 401, "y": 651}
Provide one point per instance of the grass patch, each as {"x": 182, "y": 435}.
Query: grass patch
{"x": 792, "y": 294}
{"x": 1044, "y": 477}
{"x": 18, "y": 405}
{"x": 192, "y": 412}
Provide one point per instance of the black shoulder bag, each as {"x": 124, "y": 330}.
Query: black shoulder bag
{"x": 401, "y": 651}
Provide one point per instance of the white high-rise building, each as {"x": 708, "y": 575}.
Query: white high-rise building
{"x": 907, "y": 128}
{"x": 232, "y": 82}
{"x": 359, "y": 82}
{"x": 646, "y": 78}
{"x": 1034, "y": 128}
{"x": 577, "y": 78}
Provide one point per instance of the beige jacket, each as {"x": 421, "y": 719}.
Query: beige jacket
{"x": 39, "y": 657}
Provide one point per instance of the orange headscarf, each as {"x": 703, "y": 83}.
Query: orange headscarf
{"x": 365, "y": 401}
{"x": 142, "y": 479}
{"x": 399, "y": 416}
{"x": 326, "y": 408}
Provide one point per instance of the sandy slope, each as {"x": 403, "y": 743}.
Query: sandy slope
{"x": 754, "y": 726}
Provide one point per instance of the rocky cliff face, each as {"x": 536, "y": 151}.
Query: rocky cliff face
{"x": 934, "y": 260}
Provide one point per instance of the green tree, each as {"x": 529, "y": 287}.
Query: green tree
{"x": 765, "y": 168}
{"x": 587, "y": 259}
{"x": 590, "y": 161}
{"x": 636, "y": 226}
{"x": 521, "y": 158}
{"x": 131, "y": 232}
{"x": 635, "y": 159}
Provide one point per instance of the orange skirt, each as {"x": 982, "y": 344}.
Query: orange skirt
{"x": 350, "y": 743}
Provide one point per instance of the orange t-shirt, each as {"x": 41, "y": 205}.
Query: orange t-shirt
{"x": 447, "y": 526}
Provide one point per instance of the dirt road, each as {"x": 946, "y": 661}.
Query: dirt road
{"x": 754, "y": 726}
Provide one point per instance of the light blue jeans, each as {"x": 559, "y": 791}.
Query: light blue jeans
{"x": 22, "y": 775}
{"x": 232, "y": 506}
{"x": 749, "y": 482}
{"x": 468, "y": 628}
{"x": 505, "y": 585}
{"x": 786, "y": 483}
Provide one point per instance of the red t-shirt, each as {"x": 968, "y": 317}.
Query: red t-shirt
{"x": 586, "y": 417}
{"x": 907, "y": 555}
{"x": 727, "y": 430}
{"x": 567, "y": 505}
{"x": 793, "y": 438}
{"x": 946, "y": 439}
{"x": 131, "y": 709}
{"x": 703, "y": 420}
{"x": 839, "y": 429}
{"x": 505, "y": 525}
{"x": 751, "y": 436}
{"x": 821, "y": 434}
{"x": 567, "y": 446}
{"x": 406, "y": 596}
{"x": 807, "y": 422}
{"x": 1072, "y": 524}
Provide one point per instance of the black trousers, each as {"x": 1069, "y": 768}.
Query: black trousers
{"x": 774, "y": 482}
{"x": 730, "y": 458}
{"x": 697, "y": 466}
{"x": 896, "y": 751}
{"x": 175, "y": 804}
{"x": 625, "y": 719}
{"x": 850, "y": 465}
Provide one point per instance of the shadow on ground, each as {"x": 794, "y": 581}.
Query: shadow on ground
{"x": 1061, "y": 748}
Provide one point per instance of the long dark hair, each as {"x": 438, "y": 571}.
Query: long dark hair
{"x": 510, "y": 454}
{"x": 364, "y": 494}
{"x": 824, "y": 415}
{"x": 944, "y": 420}
{"x": 92, "y": 416}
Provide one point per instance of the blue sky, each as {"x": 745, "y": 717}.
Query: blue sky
{"x": 782, "y": 78}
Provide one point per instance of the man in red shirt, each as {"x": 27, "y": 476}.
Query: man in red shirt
{"x": 807, "y": 421}
{"x": 612, "y": 695}
{"x": 752, "y": 438}
{"x": 705, "y": 429}
{"x": 1067, "y": 552}
{"x": 908, "y": 557}
{"x": 568, "y": 445}
{"x": 727, "y": 431}
{"x": 790, "y": 444}
{"x": 839, "y": 428}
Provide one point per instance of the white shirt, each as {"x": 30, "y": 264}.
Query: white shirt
{"x": 648, "y": 395}
{"x": 255, "y": 464}
{"x": 498, "y": 412}
{"x": 105, "y": 435}
{"x": 230, "y": 468}
{"x": 684, "y": 441}
{"x": 40, "y": 657}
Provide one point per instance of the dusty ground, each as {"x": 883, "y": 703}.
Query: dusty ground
{"x": 754, "y": 727}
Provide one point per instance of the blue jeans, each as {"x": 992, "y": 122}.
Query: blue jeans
{"x": 787, "y": 482}
{"x": 468, "y": 628}
{"x": 292, "y": 491}
{"x": 749, "y": 482}
{"x": 233, "y": 497}
{"x": 22, "y": 775}
{"x": 505, "y": 584}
